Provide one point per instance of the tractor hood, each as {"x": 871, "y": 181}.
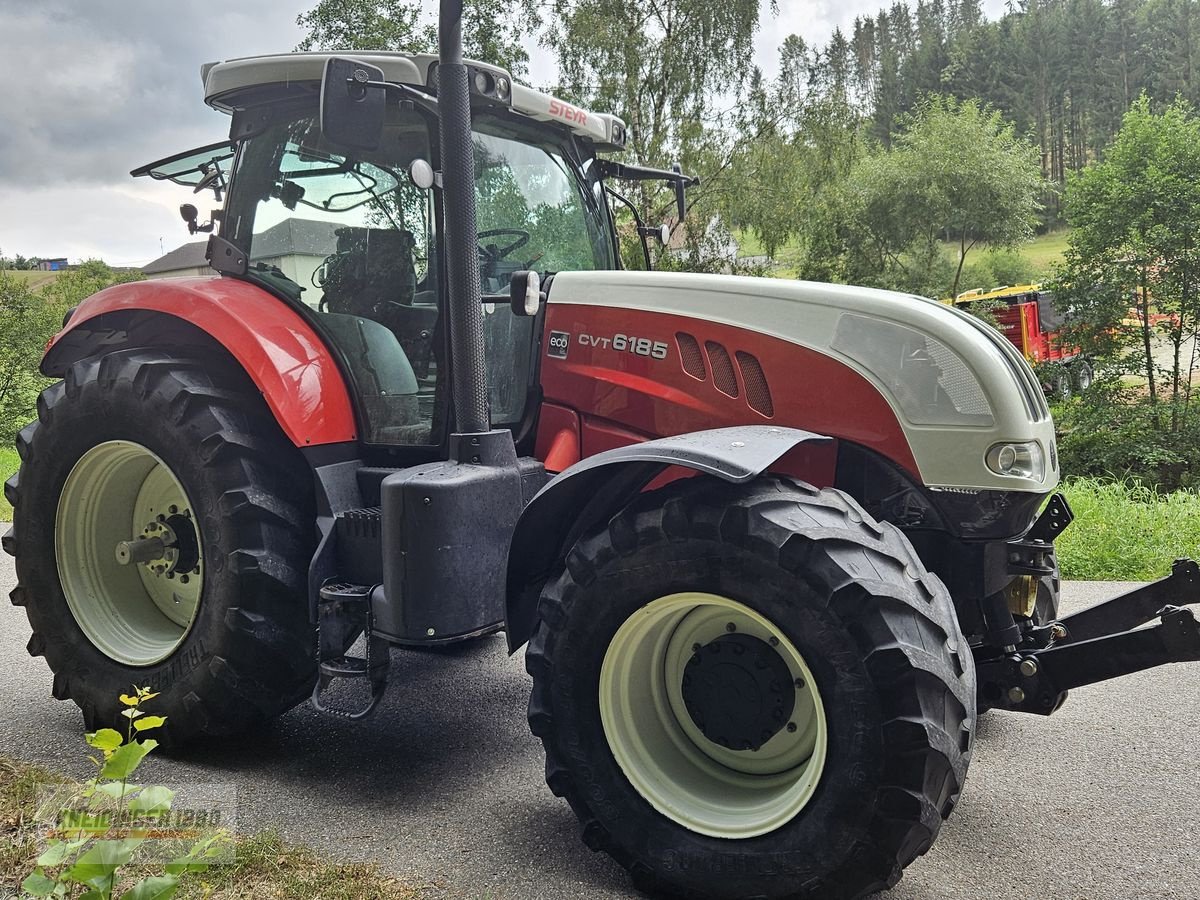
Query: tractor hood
{"x": 959, "y": 390}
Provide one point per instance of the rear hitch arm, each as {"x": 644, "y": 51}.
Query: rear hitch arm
{"x": 1099, "y": 643}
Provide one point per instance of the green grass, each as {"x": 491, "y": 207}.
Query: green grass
{"x": 34, "y": 278}
{"x": 1045, "y": 250}
{"x": 9, "y": 461}
{"x": 1125, "y": 531}
{"x": 1042, "y": 253}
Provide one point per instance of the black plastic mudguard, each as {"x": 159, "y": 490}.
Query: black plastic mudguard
{"x": 595, "y": 489}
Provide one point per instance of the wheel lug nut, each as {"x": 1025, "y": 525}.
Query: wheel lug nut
{"x": 799, "y": 682}
{"x": 730, "y": 627}
{"x": 183, "y": 579}
{"x": 791, "y": 727}
{"x": 172, "y": 509}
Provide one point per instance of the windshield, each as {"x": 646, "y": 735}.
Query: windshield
{"x": 352, "y": 238}
{"x": 190, "y": 167}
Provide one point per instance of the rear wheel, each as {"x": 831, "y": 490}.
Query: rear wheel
{"x": 162, "y": 531}
{"x": 752, "y": 690}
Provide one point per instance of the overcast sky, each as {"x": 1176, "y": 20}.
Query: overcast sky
{"x": 92, "y": 88}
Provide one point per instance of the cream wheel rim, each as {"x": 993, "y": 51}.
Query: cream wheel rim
{"x": 662, "y": 672}
{"x": 135, "y": 613}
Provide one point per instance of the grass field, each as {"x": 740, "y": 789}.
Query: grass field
{"x": 9, "y": 463}
{"x": 1126, "y": 532}
{"x": 1042, "y": 253}
{"x": 34, "y": 278}
{"x": 1045, "y": 250}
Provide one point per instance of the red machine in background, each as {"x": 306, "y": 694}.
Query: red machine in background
{"x": 1027, "y": 316}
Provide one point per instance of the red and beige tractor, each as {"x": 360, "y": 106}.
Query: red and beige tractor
{"x": 770, "y": 546}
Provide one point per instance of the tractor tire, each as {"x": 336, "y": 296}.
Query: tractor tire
{"x": 679, "y": 639}
{"x": 129, "y": 444}
{"x": 1083, "y": 375}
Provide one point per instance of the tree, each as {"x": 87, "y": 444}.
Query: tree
{"x": 403, "y": 27}
{"x": 28, "y": 318}
{"x": 956, "y": 170}
{"x": 1135, "y": 232}
{"x": 26, "y": 323}
{"x": 676, "y": 71}
{"x": 803, "y": 137}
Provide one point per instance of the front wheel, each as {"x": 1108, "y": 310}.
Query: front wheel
{"x": 752, "y": 691}
{"x": 162, "y": 530}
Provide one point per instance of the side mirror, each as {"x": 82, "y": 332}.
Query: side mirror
{"x": 353, "y": 100}
{"x": 662, "y": 233}
{"x": 525, "y": 293}
{"x": 190, "y": 215}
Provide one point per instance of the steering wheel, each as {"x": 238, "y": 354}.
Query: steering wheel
{"x": 494, "y": 253}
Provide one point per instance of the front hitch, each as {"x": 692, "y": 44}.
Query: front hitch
{"x": 1099, "y": 643}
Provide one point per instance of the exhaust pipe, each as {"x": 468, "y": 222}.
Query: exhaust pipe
{"x": 468, "y": 374}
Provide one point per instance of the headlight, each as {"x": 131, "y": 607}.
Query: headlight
{"x": 1017, "y": 460}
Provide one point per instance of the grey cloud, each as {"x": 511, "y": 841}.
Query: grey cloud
{"x": 91, "y": 89}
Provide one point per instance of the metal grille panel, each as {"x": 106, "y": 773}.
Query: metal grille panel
{"x": 722, "y": 368}
{"x": 758, "y": 393}
{"x": 690, "y": 355}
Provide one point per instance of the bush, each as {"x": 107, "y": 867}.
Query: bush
{"x": 1114, "y": 432}
{"x": 996, "y": 268}
{"x": 28, "y": 319}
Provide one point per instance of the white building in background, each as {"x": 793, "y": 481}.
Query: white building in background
{"x": 298, "y": 247}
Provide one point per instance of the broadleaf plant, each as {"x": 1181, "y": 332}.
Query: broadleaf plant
{"x": 91, "y": 854}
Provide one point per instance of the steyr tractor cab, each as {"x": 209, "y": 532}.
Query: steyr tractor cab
{"x": 770, "y": 546}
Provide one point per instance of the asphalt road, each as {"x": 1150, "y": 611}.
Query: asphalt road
{"x": 444, "y": 785}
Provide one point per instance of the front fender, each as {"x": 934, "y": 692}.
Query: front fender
{"x": 594, "y": 489}
{"x": 282, "y": 354}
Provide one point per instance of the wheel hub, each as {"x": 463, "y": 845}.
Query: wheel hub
{"x": 168, "y": 546}
{"x": 738, "y": 691}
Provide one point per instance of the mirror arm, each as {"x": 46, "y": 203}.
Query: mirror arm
{"x": 610, "y": 169}
{"x": 637, "y": 219}
{"x": 406, "y": 92}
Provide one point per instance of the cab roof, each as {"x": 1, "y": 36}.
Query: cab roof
{"x": 228, "y": 84}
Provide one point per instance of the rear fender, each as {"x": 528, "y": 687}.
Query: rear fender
{"x": 593, "y": 490}
{"x": 280, "y": 352}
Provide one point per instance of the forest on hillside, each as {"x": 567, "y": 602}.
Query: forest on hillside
{"x": 1063, "y": 71}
